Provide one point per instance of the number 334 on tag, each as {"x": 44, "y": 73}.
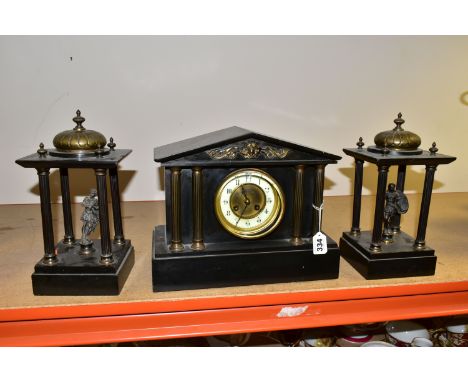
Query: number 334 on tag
{"x": 319, "y": 242}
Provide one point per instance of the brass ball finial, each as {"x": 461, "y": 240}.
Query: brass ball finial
{"x": 398, "y": 122}
{"x": 433, "y": 149}
{"x": 79, "y": 121}
{"x": 111, "y": 144}
{"x": 360, "y": 143}
{"x": 41, "y": 151}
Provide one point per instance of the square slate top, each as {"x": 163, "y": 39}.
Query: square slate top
{"x": 425, "y": 158}
{"x": 110, "y": 160}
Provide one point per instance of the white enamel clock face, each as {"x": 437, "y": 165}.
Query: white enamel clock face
{"x": 249, "y": 203}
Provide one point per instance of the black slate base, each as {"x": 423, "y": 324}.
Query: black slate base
{"x": 229, "y": 264}
{"x": 397, "y": 259}
{"x": 78, "y": 275}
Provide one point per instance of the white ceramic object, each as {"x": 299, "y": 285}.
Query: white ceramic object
{"x": 420, "y": 342}
{"x": 377, "y": 344}
{"x": 353, "y": 341}
{"x": 402, "y": 333}
{"x": 457, "y": 331}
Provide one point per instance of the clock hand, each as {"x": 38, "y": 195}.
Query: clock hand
{"x": 247, "y": 202}
{"x": 244, "y": 193}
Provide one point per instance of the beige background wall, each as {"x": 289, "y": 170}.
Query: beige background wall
{"x": 321, "y": 91}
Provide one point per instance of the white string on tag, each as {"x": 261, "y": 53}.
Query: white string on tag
{"x": 319, "y": 209}
{"x": 319, "y": 241}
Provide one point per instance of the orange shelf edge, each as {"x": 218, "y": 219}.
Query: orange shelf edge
{"x": 224, "y": 302}
{"x": 137, "y": 327}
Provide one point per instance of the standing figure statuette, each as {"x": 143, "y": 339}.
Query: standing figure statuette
{"x": 396, "y": 203}
{"x": 90, "y": 219}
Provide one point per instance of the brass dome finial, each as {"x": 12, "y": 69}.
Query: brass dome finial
{"x": 397, "y": 141}
{"x": 79, "y": 141}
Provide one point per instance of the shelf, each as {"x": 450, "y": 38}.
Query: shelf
{"x": 140, "y": 314}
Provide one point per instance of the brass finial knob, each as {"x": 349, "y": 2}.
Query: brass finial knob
{"x": 111, "y": 144}
{"x": 398, "y": 122}
{"x": 41, "y": 151}
{"x": 79, "y": 121}
{"x": 360, "y": 143}
{"x": 433, "y": 149}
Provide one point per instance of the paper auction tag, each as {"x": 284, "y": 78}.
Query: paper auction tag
{"x": 319, "y": 242}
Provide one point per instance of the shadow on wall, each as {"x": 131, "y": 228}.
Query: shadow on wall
{"x": 464, "y": 98}
{"x": 414, "y": 180}
{"x": 328, "y": 183}
{"x": 81, "y": 182}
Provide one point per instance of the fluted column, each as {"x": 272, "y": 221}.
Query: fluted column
{"x": 116, "y": 211}
{"x": 358, "y": 175}
{"x": 298, "y": 205}
{"x": 69, "y": 237}
{"x": 319, "y": 183}
{"x": 400, "y": 186}
{"x": 106, "y": 245}
{"x": 197, "y": 209}
{"x": 376, "y": 244}
{"x": 420, "y": 241}
{"x": 46, "y": 214}
{"x": 176, "y": 233}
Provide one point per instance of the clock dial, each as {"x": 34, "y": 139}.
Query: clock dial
{"x": 249, "y": 203}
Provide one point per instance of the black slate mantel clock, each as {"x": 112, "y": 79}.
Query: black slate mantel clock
{"x": 241, "y": 208}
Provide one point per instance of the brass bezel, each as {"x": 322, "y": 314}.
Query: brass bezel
{"x": 269, "y": 225}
